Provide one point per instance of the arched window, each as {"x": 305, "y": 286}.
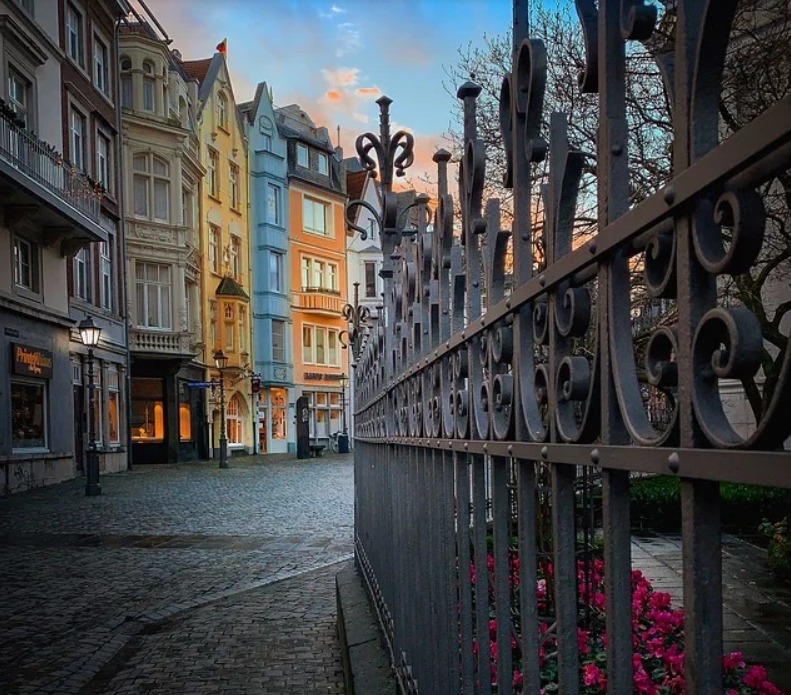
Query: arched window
{"x": 151, "y": 187}
{"x": 222, "y": 110}
{"x": 127, "y": 92}
{"x": 233, "y": 420}
{"x": 148, "y": 86}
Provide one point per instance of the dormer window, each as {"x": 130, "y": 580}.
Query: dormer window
{"x": 324, "y": 164}
{"x": 302, "y": 155}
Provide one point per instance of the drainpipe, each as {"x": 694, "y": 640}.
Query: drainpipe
{"x": 119, "y": 157}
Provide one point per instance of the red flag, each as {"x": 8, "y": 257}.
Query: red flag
{"x": 222, "y": 47}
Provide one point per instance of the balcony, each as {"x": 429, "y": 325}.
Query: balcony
{"x": 161, "y": 343}
{"x": 39, "y": 171}
{"x": 319, "y": 300}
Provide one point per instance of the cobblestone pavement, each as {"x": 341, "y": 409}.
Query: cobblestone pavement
{"x": 85, "y": 580}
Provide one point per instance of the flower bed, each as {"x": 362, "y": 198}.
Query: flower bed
{"x": 658, "y": 639}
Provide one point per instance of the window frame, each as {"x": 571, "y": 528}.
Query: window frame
{"x": 212, "y": 173}
{"x": 34, "y": 253}
{"x": 222, "y": 111}
{"x": 127, "y": 84}
{"x": 282, "y": 348}
{"x": 44, "y": 385}
{"x": 113, "y": 394}
{"x": 215, "y": 244}
{"x": 74, "y": 147}
{"x": 106, "y": 90}
{"x": 301, "y": 148}
{"x": 276, "y": 261}
{"x": 107, "y": 184}
{"x": 234, "y": 188}
{"x": 235, "y": 256}
{"x": 326, "y": 207}
{"x": 151, "y": 179}
{"x": 142, "y": 314}
{"x": 13, "y": 72}
{"x": 72, "y": 9}
{"x": 273, "y": 204}
{"x": 81, "y": 273}
{"x": 149, "y": 83}
{"x": 323, "y": 158}
{"x": 366, "y": 266}
{"x": 106, "y": 285}
{"x": 322, "y": 338}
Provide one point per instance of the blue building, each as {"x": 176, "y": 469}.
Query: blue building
{"x": 269, "y": 270}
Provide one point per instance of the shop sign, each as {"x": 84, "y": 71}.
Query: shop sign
{"x": 318, "y": 376}
{"x": 31, "y": 361}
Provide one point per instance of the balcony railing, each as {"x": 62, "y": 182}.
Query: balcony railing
{"x": 325, "y": 290}
{"x": 46, "y": 166}
{"x": 165, "y": 343}
{"x": 319, "y": 300}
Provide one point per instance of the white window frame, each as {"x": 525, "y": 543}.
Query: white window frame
{"x": 273, "y": 204}
{"x": 142, "y": 313}
{"x": 276, "y": 271}
{"x": 102, "y": 72}
{"x": 233, "y": 185}
{"x": 77, "y": 136}
{"x": 104, "y": 160}
{"x": 324, "y": 160}
{"x": 82, "y": 274}
{"x": 212, "y": 175}
{"x": 308, "y": 225}
{"x": 151, "y": 180}
{"x": 303, "y": 154}
{"x": 321, "y": 269}
{"x": 34, "y": 265}
{"x": 282, "y": 326}
{"x": 366, "y": 266}
{"x": 75, "y": 34}
{"x": 149, "y": 83}
{"x": 22, "y": 110}
{"x": 215, "y": 244}
{"x": 222, "y": 111}
{"x": 241, "y": 319}
{"x": 106, "y": 249}
{"x": 235, "y": 254}
{"x": 320, "y": 336}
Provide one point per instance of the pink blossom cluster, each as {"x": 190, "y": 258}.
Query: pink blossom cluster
{"x": 657, "y": 635}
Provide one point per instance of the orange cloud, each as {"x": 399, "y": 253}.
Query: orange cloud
{"x": 333, "y": 95}
{"x": 369, "y": 91}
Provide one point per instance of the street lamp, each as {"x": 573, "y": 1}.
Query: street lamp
{"x": 89, "y": 334}
{"x": 221, "y": 362}
{"x": 343, "y": 439}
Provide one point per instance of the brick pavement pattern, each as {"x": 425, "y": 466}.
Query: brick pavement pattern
{"x": 81, "y": 579}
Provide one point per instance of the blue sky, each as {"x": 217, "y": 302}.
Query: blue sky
{"x": 335, "y": 58}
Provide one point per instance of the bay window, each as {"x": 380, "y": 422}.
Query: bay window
{"x": 153, "y": 294}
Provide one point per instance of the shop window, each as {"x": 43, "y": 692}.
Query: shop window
{"x": 28, "y": 415}
{"x": 148, "y": 410}
{"x": 233, "y": 421}
{"x": 185, "y": 422}
{"x": 113, "y": 411}
{"x": 279, "y": 419}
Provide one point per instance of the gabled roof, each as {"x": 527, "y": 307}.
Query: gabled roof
{"x": 196, "y": 69}
{"x": 355, "y": 184}
{"x": 228, "y": 287}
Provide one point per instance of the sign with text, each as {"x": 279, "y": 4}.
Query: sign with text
{"x": 31, "y": 361}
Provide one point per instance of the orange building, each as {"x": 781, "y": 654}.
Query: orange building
{"x": 317, "y": 260}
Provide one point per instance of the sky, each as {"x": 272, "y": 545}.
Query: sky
{"x": 335, "y": 58}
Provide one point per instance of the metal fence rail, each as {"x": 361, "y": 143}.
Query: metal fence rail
{"x": 449, "y": 386}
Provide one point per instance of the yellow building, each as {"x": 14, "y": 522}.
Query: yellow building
{"x": 225, "y": 252}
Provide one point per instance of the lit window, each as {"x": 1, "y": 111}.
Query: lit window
{"x": 75, "y": 41}
{"x": 185, "y": 422}
{"x": 324, "y": 167}
{"x": 113, "y": 411}
{"x": 302, "y": 155}
{"x": 148, "y": 411}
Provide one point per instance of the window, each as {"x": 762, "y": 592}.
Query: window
{"x": 77, "y": 122}
{"x": 222, "y": 111}
{"x": 113, "y": 411}
{"x": 266, "y": 139}
{"x": 19, "y": 95}
{"x": 25, "y": 264}
{"x": 98, "y": 399}
{"x": 233, "y": 421}
{"x": 106, "y": 274}
{"x": 273, "y": 204}
{"x": 189, "y": 288}
{"x": 185, "y": 422}
{"x": 214, "y": 183}
{"x": 82, "y": 274}
{"x": 212, "y": 324}
{"x": 302, "y": 155}
{"x": 214, "y": 248}
{"x": 319, "y": 275}
{"x": 126, "y": 84}
{"x": 151, "y": 183}
{"x": 320, "y": 346}
{"x": 28, "y": 415}
{"x": 307, "y": 344}
{"x": 153, "y": 295}
{"x": 332, "y": 277}
{"x": 101, "y": 66}
{"x": 314, "y": 216}
{"x": 75, "y": 41}
{"x": 234, "y": 185}
{"x": 370, "y": 279}
{"x": 276, "y": 271}
{"x": 229, "y": 337}
{"x": 324, "y": 166}
{"x": 278, "y": 341}
{"x": 148, "y": 409}
{"x": 242, "y": 314}
{"x": 148, "y": 86}
{"x": 236, "y": 257}
{"x": 187, "y": 206}
{"x": 103, "y": 161}
{"x": 372, "y": 229}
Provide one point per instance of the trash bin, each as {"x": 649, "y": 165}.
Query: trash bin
{"x": 343, "y": 443}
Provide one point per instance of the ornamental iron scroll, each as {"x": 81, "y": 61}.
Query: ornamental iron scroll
{"x": 461, "y": 386}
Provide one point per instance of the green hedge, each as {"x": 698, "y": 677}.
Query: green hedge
{"x": 656, "y": 504}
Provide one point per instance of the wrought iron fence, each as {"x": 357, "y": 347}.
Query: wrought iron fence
{"x": 44, "y": 165}
{"x": 483, "y": 428}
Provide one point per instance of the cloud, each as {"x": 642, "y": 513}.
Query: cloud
{"x": 338, "y": 10}
{"x": 368, "y": 91}
{"x": 333, "y": 95}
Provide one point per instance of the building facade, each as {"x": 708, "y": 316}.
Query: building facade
{"x": 225, "y": 255}
{"x": 60, "y": 207}
{"x": 162, "y": 176}
{"x": 317, "y": 250}
{"x": 271, "y": 305}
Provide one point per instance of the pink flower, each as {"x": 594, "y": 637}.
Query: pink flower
{"x": 755, "y": 677}
{"x": 591, "y": 675}
{"x": 732, "y": 661}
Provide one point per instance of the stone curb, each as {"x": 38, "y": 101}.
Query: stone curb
{"x": 366, "y": 663}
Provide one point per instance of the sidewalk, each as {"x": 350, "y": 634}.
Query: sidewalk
{"x": 756, "y": 605}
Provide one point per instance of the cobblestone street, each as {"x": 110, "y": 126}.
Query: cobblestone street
{"x": 178, "y": 579}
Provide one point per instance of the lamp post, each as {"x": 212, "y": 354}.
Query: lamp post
{"x": 89, "y": 334}
{"x": 221, "y": 362}
{"x": 343, "y": 439}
